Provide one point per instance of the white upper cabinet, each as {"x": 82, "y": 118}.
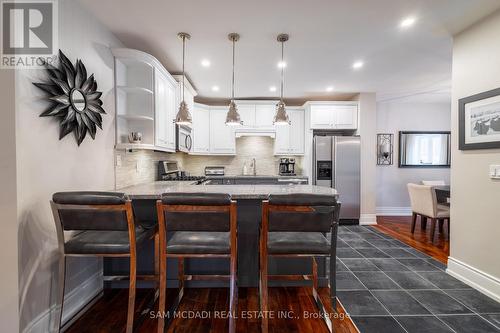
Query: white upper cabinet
{"x": 165, "y": 108}
{"x": 145, "y": 101}
{"x": 290, "y": 138}
{"x": 222, "y": 137}
{"x": 264, "y": 115}
{"x": 247, "y": 114}
{"x": 334, "y": 115}
{"x": 201, "y": 129}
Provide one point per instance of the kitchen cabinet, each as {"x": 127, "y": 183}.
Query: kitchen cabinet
{"x": 201, "y": 129}
{"x": 145, "y": 101}
{"x": 222, "y": 137}
{"x": 165, "y": 108}
{"x": 247, "y": 114}
{"x": 333, "y": 115}
{"x": 264, "y": 115}
{"x": 290, "y": 138}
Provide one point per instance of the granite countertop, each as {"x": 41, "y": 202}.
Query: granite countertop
{"x": 155, "y": 189}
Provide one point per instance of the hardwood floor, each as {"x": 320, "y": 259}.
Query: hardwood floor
{"x": 109, "y": 313}
{"x": 399, "y": 228}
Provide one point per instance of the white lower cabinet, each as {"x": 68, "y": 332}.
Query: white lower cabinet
{"x": 201, "y": 129}
{"x": 222, "y": 137}
{"x": 290, "y": 138}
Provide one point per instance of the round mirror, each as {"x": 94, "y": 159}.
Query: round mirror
{"x": 78, "y": 100}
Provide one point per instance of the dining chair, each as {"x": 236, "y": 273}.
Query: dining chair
{"x": 441, "y": 199}
{"x": 203, "y": 225}
{"x": 103, "y": 226}
{"x": 424, "y": 204}
{"x": 294, "y": 226}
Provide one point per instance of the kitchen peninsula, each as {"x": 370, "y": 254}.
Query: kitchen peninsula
{"x": 249, "y": 200}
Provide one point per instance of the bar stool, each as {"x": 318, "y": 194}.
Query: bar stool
{"x": 294, "y": 225}
{"x": 105, "y": 225}
{"x": 203, "y": 226}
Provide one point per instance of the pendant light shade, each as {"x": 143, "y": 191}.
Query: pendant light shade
{"x": 183, "y": 116}
{"x": 233, "y": 117}
{"x": 281, "y": 117}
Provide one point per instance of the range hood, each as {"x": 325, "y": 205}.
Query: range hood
{"x": 242, "y": 131}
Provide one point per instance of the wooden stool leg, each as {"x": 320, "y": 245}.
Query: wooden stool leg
{"x": 233, "y": 294}
{"x": 163, "y": 291}
{"x": 131, "y": 294}
{"x": 433, "y": 228}
{"x": 413, "y": 221}
{"x": 60, "y": 295}
{"x": 180, "y": 274}
{"x": 263, "y": 291}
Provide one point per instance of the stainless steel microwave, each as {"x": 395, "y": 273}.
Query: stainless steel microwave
{"x": 184, "y": 138}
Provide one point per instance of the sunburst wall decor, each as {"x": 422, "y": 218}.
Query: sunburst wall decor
{"x": 74, "y": 98}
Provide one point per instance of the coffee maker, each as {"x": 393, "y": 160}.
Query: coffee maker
{"x": 287, "y": 166}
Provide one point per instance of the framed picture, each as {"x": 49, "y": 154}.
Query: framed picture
{"x": 479, "y": 121}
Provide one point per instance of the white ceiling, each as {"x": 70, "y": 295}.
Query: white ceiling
{"x": 326, "y": 37}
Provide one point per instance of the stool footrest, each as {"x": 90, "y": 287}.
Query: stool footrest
{"x": 206, "y": 277}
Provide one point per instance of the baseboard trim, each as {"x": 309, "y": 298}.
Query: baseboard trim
{"x": 74, "y": 301}
{"x": 484, "y": 282}
{"x": 368, "y": 219}
{"x": 394, "y": 211}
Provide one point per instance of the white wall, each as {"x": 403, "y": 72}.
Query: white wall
{"x": 415, "y": 113}
{"x": 47, "y": 165}
{"x": 475, "y": 221}
{"x": 8, "y": 206}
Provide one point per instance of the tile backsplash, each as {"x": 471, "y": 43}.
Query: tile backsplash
{"x": 141, "y": 166}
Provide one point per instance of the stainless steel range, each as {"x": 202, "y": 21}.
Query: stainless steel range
{"x": 169, "y": 170}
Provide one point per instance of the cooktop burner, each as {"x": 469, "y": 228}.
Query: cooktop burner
{"x": 184, "y": 178}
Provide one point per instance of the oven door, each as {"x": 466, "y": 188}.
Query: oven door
{"x": 184, "y": 139}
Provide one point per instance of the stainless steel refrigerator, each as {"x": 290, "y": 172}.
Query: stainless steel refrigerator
{"x": 337, "y": 165}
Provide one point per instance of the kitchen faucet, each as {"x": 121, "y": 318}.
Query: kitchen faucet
{"x": 254, "y": 166}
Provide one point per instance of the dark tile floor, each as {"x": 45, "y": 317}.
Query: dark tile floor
{"x": 387, "y": 286}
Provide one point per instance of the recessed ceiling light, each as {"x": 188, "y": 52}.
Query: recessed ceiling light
{"x": 205, "y": 63}
{"x": 407, "y": 22}
{"x": 329, "y": 89}
{"x": 358, "y": 64}
{"x": 215, "y": 88}
{"x": 282, "y": 64}
{"x": 272, "y": 88}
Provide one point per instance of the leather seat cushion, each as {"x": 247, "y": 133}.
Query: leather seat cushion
{"x": 443, "y": 211}
{"x": 297, "y": 243}
{"x": 188, "y": 242}
{"x": 105, "y": 242}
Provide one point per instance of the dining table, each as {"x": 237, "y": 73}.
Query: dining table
{"x": 443, "y": 194}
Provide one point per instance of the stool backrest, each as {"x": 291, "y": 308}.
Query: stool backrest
{"x": 88, "y": 210}
{"x": 302, "y": 212}
{"x": 195, "y": 211}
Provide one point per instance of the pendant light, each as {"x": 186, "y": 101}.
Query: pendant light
{"x": 233, "y": 117}
{"x": 281, "y": 117}
{"x": 183, "y": 115}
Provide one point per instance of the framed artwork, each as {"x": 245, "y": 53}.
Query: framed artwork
{"x": 479, "y": 121}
